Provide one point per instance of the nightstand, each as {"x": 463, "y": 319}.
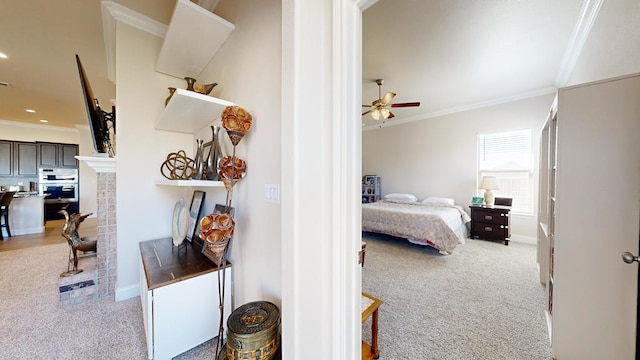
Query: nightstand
{"x": 490, "y": 222}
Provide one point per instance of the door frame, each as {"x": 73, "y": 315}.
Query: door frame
{"x": 321, "y": 170}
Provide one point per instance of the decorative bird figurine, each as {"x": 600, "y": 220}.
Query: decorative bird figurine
{"x": 204, "y": 89}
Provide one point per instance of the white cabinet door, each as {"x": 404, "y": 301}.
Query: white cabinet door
{"x": 598, "y": 214}
{"x": 185, "y": 314}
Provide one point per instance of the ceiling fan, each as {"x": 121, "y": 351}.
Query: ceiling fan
{"x": 380, "y": 108}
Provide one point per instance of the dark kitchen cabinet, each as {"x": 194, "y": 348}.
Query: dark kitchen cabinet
{"x": 18, "y": 159}
{"x": 48, "y": 155}
{"x": 25, "y": 156}
{"x": 6, "y": 158}
{"x": 68, "y": 153}
{"x": 51, "y": 155}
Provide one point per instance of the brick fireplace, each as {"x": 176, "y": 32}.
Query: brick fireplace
{"x": 99, "y": 276}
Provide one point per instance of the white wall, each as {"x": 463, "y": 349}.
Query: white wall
{"x": 144, "y": 210}
{"x": 613, "y": 46}
{"x": 438, "y": 156}
{"x": 247, "y": 69}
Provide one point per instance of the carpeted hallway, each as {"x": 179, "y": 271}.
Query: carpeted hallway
{"x": 482, "y": 302}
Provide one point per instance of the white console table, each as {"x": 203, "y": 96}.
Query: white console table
{"x": 179, "y": 295}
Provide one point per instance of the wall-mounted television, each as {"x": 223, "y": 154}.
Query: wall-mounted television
{"x": 101, "y": 123}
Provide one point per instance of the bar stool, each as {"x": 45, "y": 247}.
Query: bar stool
{"x": 4, "y": 212}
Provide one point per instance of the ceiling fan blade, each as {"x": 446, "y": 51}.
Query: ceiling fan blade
{"x": 386, "y": 98}
{"x": 407, "y": 104}
{"x": 366, "y": 112}
{"x": 366, "y": 105}
{"x": 390, "y": 115}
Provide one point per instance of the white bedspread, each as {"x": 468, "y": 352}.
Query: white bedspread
{"x": 430, "y": 224}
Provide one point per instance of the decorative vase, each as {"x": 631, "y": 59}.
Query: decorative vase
{"x": 215, "y": 250}
{"x": 190, "y": 82}
{"x": 171, "y": 91}
{"x": 237, "y": 122}
{"x": 198, "y": 170}
{"x": 215, "y": 154}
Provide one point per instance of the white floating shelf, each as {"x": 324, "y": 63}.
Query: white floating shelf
{"x": 192, "y": 40}
{"x": 189, "y": 111}
{"x": 193, "y": 183}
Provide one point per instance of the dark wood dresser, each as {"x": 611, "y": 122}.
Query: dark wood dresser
{"x": 490, "y": 222}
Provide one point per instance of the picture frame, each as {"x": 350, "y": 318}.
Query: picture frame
{"x": 197, "y": 200}
{"x": 476, "y": 200}
{"x": 369, "y": 180}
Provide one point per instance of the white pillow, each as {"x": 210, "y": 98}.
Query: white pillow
{"x": 401, "y": 197}
{"x": 438, "y": 200}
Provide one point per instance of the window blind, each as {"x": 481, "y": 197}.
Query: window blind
{"x": 508, "y": 156}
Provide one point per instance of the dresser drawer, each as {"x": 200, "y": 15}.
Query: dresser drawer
{"x": 485, "y": 230}
{"x": 490, "y": 216}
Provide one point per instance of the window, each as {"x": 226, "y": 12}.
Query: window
{"x": 508, "y": 156}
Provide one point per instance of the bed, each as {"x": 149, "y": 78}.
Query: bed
{"x": 441, "y": 226}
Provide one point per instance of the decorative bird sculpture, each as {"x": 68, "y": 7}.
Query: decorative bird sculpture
{"x": 204, "y": 89}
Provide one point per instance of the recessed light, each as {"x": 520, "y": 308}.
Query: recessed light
{"x": 3, "y": 56}
{"x": 30, "y": 110}
{"x": 44, "y": 121}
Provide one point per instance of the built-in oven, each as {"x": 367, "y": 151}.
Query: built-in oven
{"x": 60, "y": 188}
{"x": 59, "y": 193}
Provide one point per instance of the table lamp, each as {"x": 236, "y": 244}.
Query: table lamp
{"x": 489, "y": 183}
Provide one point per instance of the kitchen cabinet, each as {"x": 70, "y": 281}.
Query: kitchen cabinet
{"x": 6, "y": 158}
{"x": 26, "y": 215}
{"x": 179, "y": 295}
{"x": 18, "y": 159}
{"x": 52, "y": 155}
{"x": 26, "y": 162}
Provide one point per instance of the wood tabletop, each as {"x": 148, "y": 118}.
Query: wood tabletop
{"x": 372, "y": 304}
{"x": 165, "y": 263}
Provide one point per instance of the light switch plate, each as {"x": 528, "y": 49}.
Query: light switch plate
{"x": 272, "y": 193}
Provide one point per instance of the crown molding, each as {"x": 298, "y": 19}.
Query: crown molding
{"x": 463, "y": 108}
{"x": 588, "y": 15}
{"x": 112, "y": 13}
{"x": 37, "y": 126}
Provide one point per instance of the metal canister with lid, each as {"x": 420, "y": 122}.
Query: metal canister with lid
{"x": 253, "y": 332}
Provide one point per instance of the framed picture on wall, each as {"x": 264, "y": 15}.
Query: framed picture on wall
{"x": 194, "y": 213}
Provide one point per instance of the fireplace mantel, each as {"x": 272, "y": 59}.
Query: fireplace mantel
{"x": 99, "y": 164}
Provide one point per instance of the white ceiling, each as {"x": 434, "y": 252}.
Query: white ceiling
{"x": 41, "y": 39}
{"x": 450, "y": 54}
{"x": 447, "y": 54}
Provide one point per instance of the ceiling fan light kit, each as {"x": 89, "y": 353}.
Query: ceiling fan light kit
{"x": 379, "y": 109}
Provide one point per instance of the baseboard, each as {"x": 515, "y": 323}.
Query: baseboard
{"x": 127, "y": 292}
{"x": 524, "y": 239}
{"x": 27, "y": 231}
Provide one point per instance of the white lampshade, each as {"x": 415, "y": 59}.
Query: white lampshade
{"x": 375, "y": 114}
{"x": 489, "y": 183}
{"x": 385, "y": 113}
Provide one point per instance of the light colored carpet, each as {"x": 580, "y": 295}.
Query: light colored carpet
{"x": 482, "y": 302}
{"x": 33, "y": 325}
